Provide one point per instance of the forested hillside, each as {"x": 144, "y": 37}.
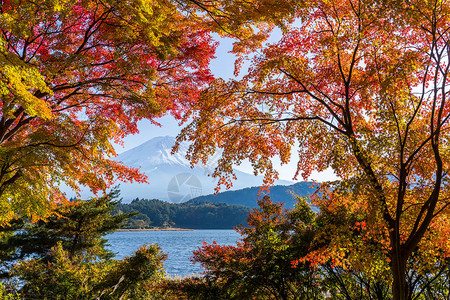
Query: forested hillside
{"x": 224, "y": 210}
{"x": 160, "y": 214}
{"x": 249, "y": 196}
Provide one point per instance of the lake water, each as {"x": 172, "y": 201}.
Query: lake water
{"x": 178, "y": 245}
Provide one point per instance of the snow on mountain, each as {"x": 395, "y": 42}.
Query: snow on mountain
{"x": 171, "y": 177}
{"x": 154, "y": 152}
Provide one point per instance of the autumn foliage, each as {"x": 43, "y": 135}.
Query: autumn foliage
{"x": 359, "y": 86}
{"x": 77, "y": 75}
{"x": 260, "y": 265}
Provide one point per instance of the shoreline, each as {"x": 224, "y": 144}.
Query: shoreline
{"x": 155, "y": 229}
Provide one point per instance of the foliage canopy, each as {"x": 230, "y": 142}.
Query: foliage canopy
{"x": 76, "y": 75}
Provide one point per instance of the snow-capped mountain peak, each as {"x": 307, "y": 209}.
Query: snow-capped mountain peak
{"x": 155, "y": 152}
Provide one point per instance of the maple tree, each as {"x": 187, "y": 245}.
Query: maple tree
{"x": 352, "y": 243}
{"x": 259, "y": 266}
{"x": 76, "y": 75}
{"x": 361, "y": 87}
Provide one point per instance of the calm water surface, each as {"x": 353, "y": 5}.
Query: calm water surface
{"x": 178, "y": 245}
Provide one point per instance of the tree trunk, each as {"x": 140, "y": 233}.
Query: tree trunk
{"x": 398, "y": 269}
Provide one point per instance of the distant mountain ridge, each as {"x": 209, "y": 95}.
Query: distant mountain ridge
{"x": 248, "y": 196}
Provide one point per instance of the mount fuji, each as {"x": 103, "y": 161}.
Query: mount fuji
{"x": 171, "y": 177}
